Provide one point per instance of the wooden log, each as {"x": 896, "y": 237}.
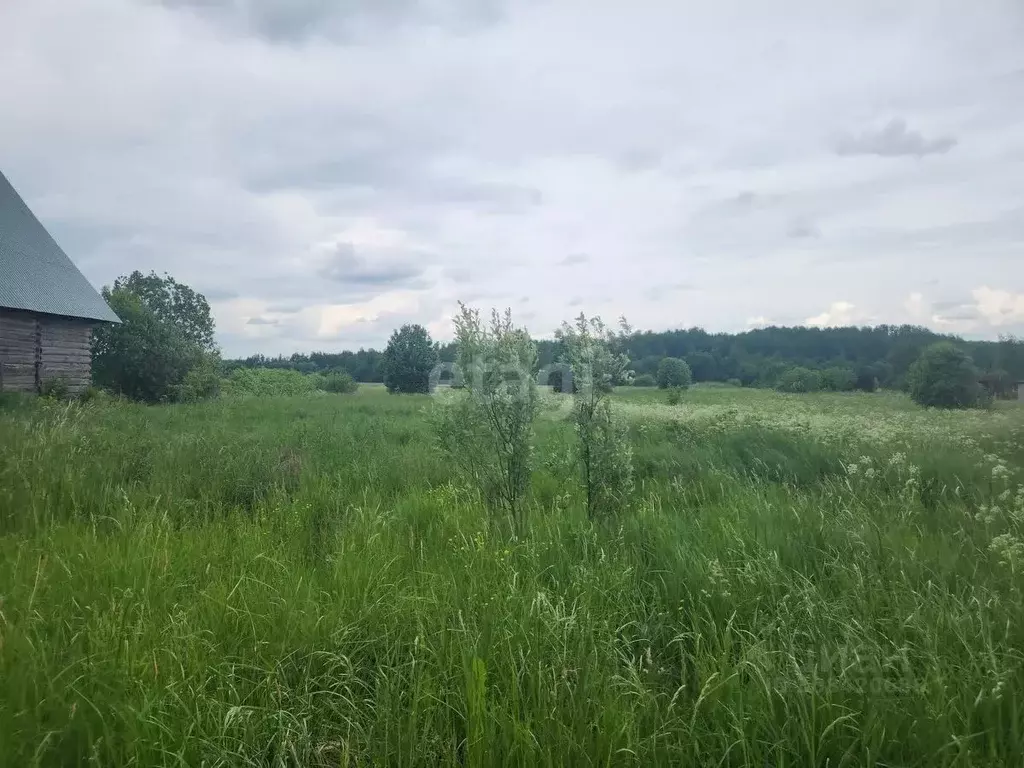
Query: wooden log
{"x": 63, "y": 359}
{"x": 65, "y": 351}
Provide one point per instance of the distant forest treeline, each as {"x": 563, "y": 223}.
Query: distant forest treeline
{"x": 752, "y": 358}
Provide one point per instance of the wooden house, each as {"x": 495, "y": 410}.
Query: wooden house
{"x": 47, "y": 307}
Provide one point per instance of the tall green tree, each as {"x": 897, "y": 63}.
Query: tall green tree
{"x": 174, "y": 304}
{"x": 146, "y": 358}
{"x": 408, "y": 360}
{"x": 674, "y": 373}
{"x": 944, "y": 376}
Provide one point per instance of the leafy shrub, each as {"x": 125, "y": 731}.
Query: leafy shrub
{"x": 799, "y": 379}
{"x": 944, "y": 376}
{"x": 674, "y": 372}
{"x": 165, "y": 332}
{"x": 487, "y": 430}
{"x": 675, "y": 395}
{"x": 734, "y": 382}
{"x": 838, "y": 379}
{"x": 202, "y": 382}
{"x": 602, "y": 451}
{"x": 408, "y": 360}
{"x": 91, "y": 394}
{"x": 339, "y": 382}
{"x": 270, "y": 382}
{"x": 55, "y": 388}
{"x": 645, "y": 380}
{"x": 867, "y": 380}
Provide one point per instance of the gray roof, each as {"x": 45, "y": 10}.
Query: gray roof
{"x": 35, "y": 274}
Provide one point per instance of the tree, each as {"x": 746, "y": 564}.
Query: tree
{"x": 838, "y": 379}
{"x": 674, "y": 373}
{"x": 174, "y": 304}
{"x": 867, "y": 379}
{"x": 487, "y": 428}
{"x": 142, "y": 358}
{"x": 594, "y": 354}
{"x": 799, "y": 379}
{"x": 408, "y": 360}
{"x": 944, "y": 376}
{"x": 703, "y": 365}
{"x": 339, "y": 382}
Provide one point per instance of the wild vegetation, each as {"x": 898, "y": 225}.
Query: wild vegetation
{"x": 812, "y": 579}
{"x": 277, "y": 567}
{"x": 844, "y": 358}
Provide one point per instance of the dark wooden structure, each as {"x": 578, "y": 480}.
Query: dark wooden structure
{"x": 47, "y": 307}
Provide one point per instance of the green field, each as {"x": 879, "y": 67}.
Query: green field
{"x": 799, "y": 580}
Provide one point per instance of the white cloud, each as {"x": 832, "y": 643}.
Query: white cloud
{"x": 915, "y": 306}
{"x": 998, "y": 307}
{"x": 362, "y": 160}
{"x": 839, "y": 313}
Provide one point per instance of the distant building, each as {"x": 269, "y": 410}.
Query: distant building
{"x": 47, "y": 307}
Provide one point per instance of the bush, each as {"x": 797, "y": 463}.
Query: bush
{"x": 55, "y": 388}
{"x": 339, "y": 382}
{"x": 91, "y": 394}
{"x": 602, "y": 452}
{"x": 734, "y": 382}
{"x": 487, "y": 431}
{"x": 165, "y": 332}
{"x": 799, "y": 379}
{"x": 202, "y": 382}
{"x": 944, "y": 376}
{"x": 673, "y": 372}
{"x": 838, "y": 379}
{"x": 867, "y": 380}
{"x": 270, "y": 382}
{"x": 675, "y": 395}
{"x": 645, "y": 380}
{"x": 408, "y": 360}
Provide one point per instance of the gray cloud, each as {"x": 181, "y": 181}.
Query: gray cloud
{"x": 344, "y": 265}
{"x": 803, "y": 230}
{"x": 894, "y": 139}
{"x": 262, "y": 321}
{"x": 459, "y": 153}
{"x": 659, "y": 292}
{"x": 574, "y": 259}
{"x": 218, "y": 294}
{"x": 287, "y": 308}
{"x": 293, "y": 21}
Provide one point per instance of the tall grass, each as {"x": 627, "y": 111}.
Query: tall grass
{"x": 299, "y": 581}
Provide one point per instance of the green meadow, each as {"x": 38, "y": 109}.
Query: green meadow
{"x": 797, "y": 580}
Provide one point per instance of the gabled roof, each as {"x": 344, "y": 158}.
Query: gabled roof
{"x": 35, "y": 274}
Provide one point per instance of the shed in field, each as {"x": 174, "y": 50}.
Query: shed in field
{"x": 47, "y": 307}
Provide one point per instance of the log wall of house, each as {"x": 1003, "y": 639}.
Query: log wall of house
{"x": 65, "y": 352}
{"x": 19, "y": 344}
{"x": 37, "y": 348}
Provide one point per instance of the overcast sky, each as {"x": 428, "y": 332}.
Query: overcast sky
{"x": 326, "y": 170}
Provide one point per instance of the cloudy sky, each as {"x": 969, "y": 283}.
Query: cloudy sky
{"x": 325, "y": 170}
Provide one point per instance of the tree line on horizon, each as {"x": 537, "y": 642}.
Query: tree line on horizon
{"x": 164, "y": 350}
{"x": 837, "y": 358}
